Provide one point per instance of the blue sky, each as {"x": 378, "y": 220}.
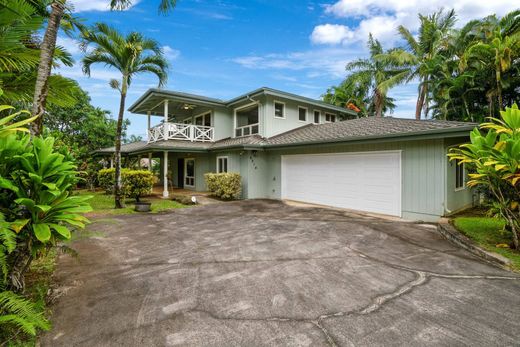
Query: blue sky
{"x": 224, "y": 48}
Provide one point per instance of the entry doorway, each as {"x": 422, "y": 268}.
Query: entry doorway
{"x": 189, "y": 173}
{"x": 180, "y": 171}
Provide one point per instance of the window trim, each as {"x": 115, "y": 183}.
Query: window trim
{"x": 188, "y": 120}
{"x": 457, "y": 168}
{"x": 227, "y": 163}
{"x": 202, "y": 115}
{"x": 331, "y": 114}
{"x": 306, "y": 114}
{"x": 274, "y": 109}
{"x": 314, "y": 116}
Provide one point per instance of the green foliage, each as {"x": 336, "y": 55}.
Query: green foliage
{"x": 20, "y": 313}
{"x": 226, "y": 186}
{"x": 494, "y": 158}
{"x": 135, "y": 183}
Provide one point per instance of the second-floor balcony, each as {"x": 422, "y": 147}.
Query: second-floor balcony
{"x": 178, "y": 131}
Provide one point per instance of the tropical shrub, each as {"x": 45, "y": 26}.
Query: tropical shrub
{"x": 226, "y": 186}
{"x": 135, "y": 183}
{"x": 105, "y": 180}
{"x": 494, "y": 157}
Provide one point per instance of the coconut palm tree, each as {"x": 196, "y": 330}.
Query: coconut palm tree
{"x": 48, "y": 46}
{"x": 377, "y": 73}
{"x": 423, "y": 51}
{"x": 131, "y": 55}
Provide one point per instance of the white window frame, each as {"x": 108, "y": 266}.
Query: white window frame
{"x": 314, "y": 116}
{"x": 218, "y": 164}
{"x": 331, "y": 114}
{"x": 457, "y": 168}
{"x": 187, "y": 121}
{"x": 274, "y": 109}
{"x": 306, "y": 114}
{"x": 235, "y": 110}
{"x": 202, "y": 115}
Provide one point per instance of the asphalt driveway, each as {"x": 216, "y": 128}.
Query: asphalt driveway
{"x": 261, "y": 273}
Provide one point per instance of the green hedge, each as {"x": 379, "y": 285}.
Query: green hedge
{"x": 226, "y": 186}
{"x": 136, "y": 183}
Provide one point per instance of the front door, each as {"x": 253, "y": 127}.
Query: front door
{"x": 189, "y": 173}
{"x": 180, "y": 170}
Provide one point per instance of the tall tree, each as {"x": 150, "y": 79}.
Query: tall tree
{"x": 377, "y": 75}
{"x": 423, "y": 52}
{"x": 131, "y": 55}
{"x": 49, "y": 44}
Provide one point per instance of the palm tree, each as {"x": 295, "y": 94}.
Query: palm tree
{"x": 131, "y": 55}
{"x": 497, "y": 52}
{"x": 378, "y": 74}
{"x": 421, "y": 52}
{"x": 48, "y": 46}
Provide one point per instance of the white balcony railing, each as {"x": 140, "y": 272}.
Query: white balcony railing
{"x": 246, "y": 130}
{"x": 178, "y": 131}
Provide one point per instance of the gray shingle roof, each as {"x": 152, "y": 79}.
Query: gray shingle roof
{"x": 367, "y": 127}
{"x": 349, "y": 130}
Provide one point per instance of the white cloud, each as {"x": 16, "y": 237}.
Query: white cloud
{"x": 171, "y": 53}
{"x": 382, "y": 17}
{"x": 331, "y": 34}
{"x": 93, "y": 5}
{"x": 328, "y": 62}
{"x": 70, "y": 45}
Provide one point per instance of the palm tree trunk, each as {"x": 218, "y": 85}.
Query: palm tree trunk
{"x": 378, "y": 103}
{"x": 118, "y": 197}
{"x": 420, "y": 102}
{"x": 44, "y": 68}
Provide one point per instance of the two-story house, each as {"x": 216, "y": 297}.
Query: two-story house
{"x": 291, "y": 147}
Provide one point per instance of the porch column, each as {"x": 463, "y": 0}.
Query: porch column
{"x": 150, "y": 161}
{"x": 111, "y": 162}
{"x": 165, "y": 175}
{"x": 139, "y": 161}
{"x": 165, "y": 111}
{"x": 149, "y": 114}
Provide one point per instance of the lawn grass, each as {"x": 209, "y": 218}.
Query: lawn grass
{"x": 103, "y": 204}
{"x": 488, "y": 233}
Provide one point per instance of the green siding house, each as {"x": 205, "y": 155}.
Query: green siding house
{"x": 291, "y": 147}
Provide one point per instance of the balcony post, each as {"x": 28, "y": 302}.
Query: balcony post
{"x": 150, "y": 161}
{"x": 165, "y": 175}
{"x": 149, "y": 114}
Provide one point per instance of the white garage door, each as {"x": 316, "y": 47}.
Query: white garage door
{"x": 369, "y": 181}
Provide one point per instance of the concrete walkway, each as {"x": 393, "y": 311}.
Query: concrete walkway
{"x": 261, "y": 273}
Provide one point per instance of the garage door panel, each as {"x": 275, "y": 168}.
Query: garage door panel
{"x": 363, "y": 181}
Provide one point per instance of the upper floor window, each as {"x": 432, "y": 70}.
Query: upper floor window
{"x": 317, "y": 115}
{"x": 330, "y": 117}
{"x": 246, "y": 119}
{"x": 302, "y": 114}
{"x": 187, "y": 121}
{"x": 222, "y": 164}
{"x": 203, "y": 119}
{"x": 460, "y": 177}
{"x": 279, "y": 109}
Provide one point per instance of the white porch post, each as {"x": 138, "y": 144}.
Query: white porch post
{"x": 111, "y": 162}
{"x": 149, "y": 114}
{"x": 150, "y": 161}
{"x": 165, "y": 175}
{"x": 165, "y": 111}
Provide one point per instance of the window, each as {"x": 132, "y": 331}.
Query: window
{"x": 203, "y": 119}
{"x": 317, "y": 115}
{"x": 222, "y": 164}
{"x": 187, "y": 121}
{"x": 331, "y": 118}
{"x": 302, "y": 114}
{"x": 279, "y": 109}
{"x": 459, "y": 175}
{"x": 246, "y": 120}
